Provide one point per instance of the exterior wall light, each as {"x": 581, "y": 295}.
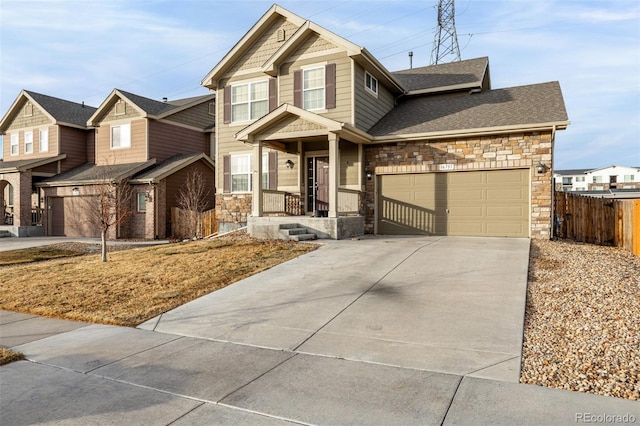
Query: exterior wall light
{"x": 541, "y": 168}
{"x": 75, "y": 191}
{"x": 369, "y": 175}
{"x": 289, "y": 164}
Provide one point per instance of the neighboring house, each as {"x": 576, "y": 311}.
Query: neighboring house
{"x": 142, "y": 142}
{"x": 602, "y": 179}
{"x": 313, "y": 132}
{"x": 42, "y": 137}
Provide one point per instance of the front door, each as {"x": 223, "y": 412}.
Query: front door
{"x": 318, "y": 185}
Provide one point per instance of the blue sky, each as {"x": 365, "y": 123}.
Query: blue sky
{"x": 82, "y": 50}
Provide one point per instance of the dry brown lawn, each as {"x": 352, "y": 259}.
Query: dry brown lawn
{"x": 7, "y": 356}
{"x": 137, "y": 284}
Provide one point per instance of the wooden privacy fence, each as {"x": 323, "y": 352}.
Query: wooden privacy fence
{"x": 188, "y": 224}
{"x": 602, "y": 221}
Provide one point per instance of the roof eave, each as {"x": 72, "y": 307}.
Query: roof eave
{"x": 156, "y": 179}
{"x": 211, "y": 80}
{"x": 482, "y": 131}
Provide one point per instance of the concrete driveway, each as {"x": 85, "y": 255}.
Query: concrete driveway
{"x": 423, "y": 330}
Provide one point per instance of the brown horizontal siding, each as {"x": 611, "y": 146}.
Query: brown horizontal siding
{"x": 73, "y": 143}
{"x": 166, "y": 140}
{"x": 197, "y": 116}
{"x": 175, "y": 182}
{"x": 51, "y": 152}
{"x": 134, "y": 154}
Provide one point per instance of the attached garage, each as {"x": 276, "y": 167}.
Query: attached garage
{"x": 69, "y": 217}
{"x": 472, "y": 203}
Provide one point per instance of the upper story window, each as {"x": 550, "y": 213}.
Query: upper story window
{"x": 28, "y": 142}
{"x": 15, "y": 143}
{"x": 249, "y": 101}
{"x": 313, "y": 88}
{"x": 371, "y": 83}
{"x": 597, "y": 179}
{"x": 566, "y": 180}
{"x": 121, "y": 107}
{"x": 44, "y": 140}
{"x": 580, "y": 179}
{"x": 121, "y": 136}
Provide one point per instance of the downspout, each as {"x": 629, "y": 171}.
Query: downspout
{"x": 155, "y": 212}
{"x": 553, "y": 189}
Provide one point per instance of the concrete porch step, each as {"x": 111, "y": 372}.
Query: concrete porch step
{"x": 295, "y": 232}
{"x": 5, "y": 234}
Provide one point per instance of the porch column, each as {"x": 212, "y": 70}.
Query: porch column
{"x": 256, "y": 184}
{"x": 334, "y": 174}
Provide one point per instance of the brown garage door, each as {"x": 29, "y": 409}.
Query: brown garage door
{"x": 70, "y": 218}
{"x": 475, "y": 203}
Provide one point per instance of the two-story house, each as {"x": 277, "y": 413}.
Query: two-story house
{"x": 148, "y": 144}
{"x": 313, "y": 132}
{"x": 42, "y": 136}
{"x": 601, "y": 179}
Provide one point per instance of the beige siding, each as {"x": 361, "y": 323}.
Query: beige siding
{"x": 37, "y": 118}
{"x": 349, "y": 163}
{"x": 369, "y": 109}
{"x": 73, "y": 143}
{"x": 110, "y": 114}
{"x": 134, "y": 154}
{"x": 196, "y": 116}
{"x": 342, "y": 111}
{"x": 91, "y": 146}
{"x": 166, "y": 140}
{"x": 51, "y": 152}
{"x": 264, "y": 47}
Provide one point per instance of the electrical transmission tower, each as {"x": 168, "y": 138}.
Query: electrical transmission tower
{"x": 445, "y": 43}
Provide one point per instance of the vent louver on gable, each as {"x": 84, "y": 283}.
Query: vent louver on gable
{"x": 280, "y": 35}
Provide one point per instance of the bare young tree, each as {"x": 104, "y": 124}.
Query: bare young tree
{"x": 109, "y": 203}
{"x": 194, "y": 200}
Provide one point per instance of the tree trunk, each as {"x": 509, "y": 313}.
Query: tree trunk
{"x": 103, "y": 236}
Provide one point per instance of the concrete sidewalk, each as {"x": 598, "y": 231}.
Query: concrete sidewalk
{"x": 380, "y": 331}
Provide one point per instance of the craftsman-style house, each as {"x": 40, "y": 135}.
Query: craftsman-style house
{"x": 148, "y": 144}
{"x": 42, "y": 136}
{"x": 315, "y": 136}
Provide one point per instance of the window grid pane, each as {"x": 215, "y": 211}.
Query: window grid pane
{"x": 313, "y": 88}
{"x": 28, "y": 142}
{"x": 14, "y": 144}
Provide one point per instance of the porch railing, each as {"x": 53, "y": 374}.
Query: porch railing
{"x": 285, "y": 203}
{"x": 36, "y": 216}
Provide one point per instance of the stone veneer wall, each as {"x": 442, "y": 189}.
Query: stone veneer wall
{"x": 232, "y": 211}
{"x": 510, "y": 151}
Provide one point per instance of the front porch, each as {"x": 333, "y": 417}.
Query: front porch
{"x": 280, "y": 208}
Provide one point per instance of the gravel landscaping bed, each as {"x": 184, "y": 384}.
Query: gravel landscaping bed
{"x": 582, "y": 321}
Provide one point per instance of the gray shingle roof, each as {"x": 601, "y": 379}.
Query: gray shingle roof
{"x": 168, "y": 166}
{"x": 450, "y": 74}
{"x": 17, "y": 165}
{"x": 90, "y": 173}
{"x": 571, "y": 171}
{"x": 63, "y": 111}
{"x": 522, "y": 105}
{"x": 150, "y": 106}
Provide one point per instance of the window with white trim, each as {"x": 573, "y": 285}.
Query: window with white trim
{"x": 628, "y": 178}
{"x": 121, "y": 136}
{"x": 371, "y": 83}
{"x": 44, "y": 140}
{"x": 265, "y": 170}
{"x": 249, "y": 101}
{"x": 15, "y": 143}
{"x": 142, "y": 202}
{"x": 580, "y": 179}
{"x": 313, "y": 88}
{"x": 28, "y": 142}
{"x": 597, "y": 179}
{"x": 241, "y": 173}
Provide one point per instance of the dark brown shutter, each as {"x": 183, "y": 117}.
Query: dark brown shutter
{"x": 297, "y": 88}
{"x": 227, "y": 105}
{"x": 330, "y": 86}
{"x": 273, "y": 171}
{"x": 273, "y": 94}
{"x": 226, "y": 173}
